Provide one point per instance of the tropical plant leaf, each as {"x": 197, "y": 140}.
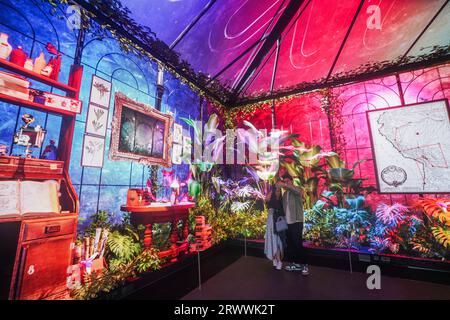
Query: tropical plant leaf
{"x": 311, "y": 184}
{"x": 122, "y": 246}
{"x": 335, "y": 162}
{"x": 212, "y": 124}
{"x": 251, "y": 126}
{"x": 442, "y": 236}
{"x": 391, "y": 215}
{"x": 357, "y": 163}
{"x": 436, "y": 208}
{"x": 341, "y": 174}
{"x": 291, "y": 168}
{"x": 311, "y": 157}
{"x": 356, "y": 203}
{"x": 238, "y": 206}
{"x": 197, "y": 131}
{"x": 252, "y": 172}
{"x": 421, "y": 248}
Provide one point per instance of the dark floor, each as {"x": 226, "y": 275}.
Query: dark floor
{"x": 254, "y": 278}
{"x": 175, "y": 281}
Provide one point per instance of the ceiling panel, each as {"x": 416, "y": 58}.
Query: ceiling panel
{"x": 437, "y": 34}
{"x": 312, "y": 43}
{"x": 226, "y": 31}
{"x": 167, "y": 18}
{"x": 231, "y": 32}
{"x": 400, "y": 23}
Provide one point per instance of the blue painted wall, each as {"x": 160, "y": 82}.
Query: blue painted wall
{"x": 30, "y": 24}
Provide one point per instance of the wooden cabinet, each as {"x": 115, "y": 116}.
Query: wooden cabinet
{"x": 36, "y": 249}
{"x": 43, "y": 255}
{"x": 43, "y": 258}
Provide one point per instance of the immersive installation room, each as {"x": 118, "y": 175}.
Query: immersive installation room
{"x": 224, "y": 149}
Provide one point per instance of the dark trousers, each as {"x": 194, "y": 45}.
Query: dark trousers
{"x": 295, "y": 252}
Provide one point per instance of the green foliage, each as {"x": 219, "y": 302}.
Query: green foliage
{"x": 304, "y": 165}
{"x": 123, "y": 247}
{"x": 101, "y": 219}
{"x": 329, "y": 226}
{"x": 161, "y": 236}
{"x": 391, "y": 215}
{"x": 226, "y": 224}
{"x": 125, "y": 256}
{"x": 442, "y": 236}
{"x": 213, "y": 216}
{"x": 336, "y": 217}
{"x": 97, "y": 285}
{"x": 320, "y": 225}
{"x": 341, "y": 181}
{"x": 146, "y": 261}
{"x": 434, "y": 235}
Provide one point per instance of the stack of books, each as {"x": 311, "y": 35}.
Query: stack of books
{"x": 203, "y": 234}
{"x": 14, "y": 86}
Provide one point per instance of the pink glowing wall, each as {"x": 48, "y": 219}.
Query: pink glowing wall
{"x": 304, "y": 116}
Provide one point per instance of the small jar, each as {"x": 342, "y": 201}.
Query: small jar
{"x": 18, "y": 57}
{"x": 29, "y": 65}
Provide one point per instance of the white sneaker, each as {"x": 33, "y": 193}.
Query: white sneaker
{"x": 279, "y": 265}
{"x": 293, "y": 267}
{"x": 305, "y": 270}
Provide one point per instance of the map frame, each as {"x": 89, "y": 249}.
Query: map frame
{"x": 373, "y": 149}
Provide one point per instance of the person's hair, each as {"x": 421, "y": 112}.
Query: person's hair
{"x": 274, "y": 192}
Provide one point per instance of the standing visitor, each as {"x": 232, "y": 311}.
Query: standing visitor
{"x": 273, "y": 245}
{"x": 293, "y": 209}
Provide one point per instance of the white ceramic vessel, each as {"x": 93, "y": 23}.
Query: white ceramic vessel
{"x": 5, "y": 47}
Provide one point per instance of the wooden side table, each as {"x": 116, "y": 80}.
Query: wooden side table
{"x": 163, "y": 213}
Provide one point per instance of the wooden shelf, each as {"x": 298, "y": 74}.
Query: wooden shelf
{"x": 35, "y": 216}
{"x": 35, "y": 76}
{"x": 33, "y": 105}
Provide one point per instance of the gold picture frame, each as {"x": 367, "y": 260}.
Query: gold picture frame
{"x": 130, "y": 140}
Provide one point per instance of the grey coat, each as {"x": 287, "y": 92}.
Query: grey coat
{"x": 293, "y": 206}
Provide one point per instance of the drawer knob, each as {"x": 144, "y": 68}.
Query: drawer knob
{"x": 52, "y": 229}
{"x": 31, "y": 270}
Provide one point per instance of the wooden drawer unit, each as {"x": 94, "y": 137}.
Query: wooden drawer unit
{"x": 47, "y": 229}
{"x": 21, "y": 168}
{"x": 43, "y": 255}
{"x": 43, "y": 268}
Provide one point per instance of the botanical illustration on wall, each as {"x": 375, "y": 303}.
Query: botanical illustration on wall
{"x": 93, "y": 151}
{"x": 97, "y": 121}
{"x": 100, "y": 91}
{"x": 411, "y": 145}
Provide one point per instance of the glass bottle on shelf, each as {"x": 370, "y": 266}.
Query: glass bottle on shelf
{"x": 5, "y": 47}
{"x": 29, "y": 64}
{"x": 39, "y": 63}
{"x": 18, "y": 57}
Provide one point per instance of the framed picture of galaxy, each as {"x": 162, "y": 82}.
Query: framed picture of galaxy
{"x": 140, "y": 133}
{"x": 411, "y": 147}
